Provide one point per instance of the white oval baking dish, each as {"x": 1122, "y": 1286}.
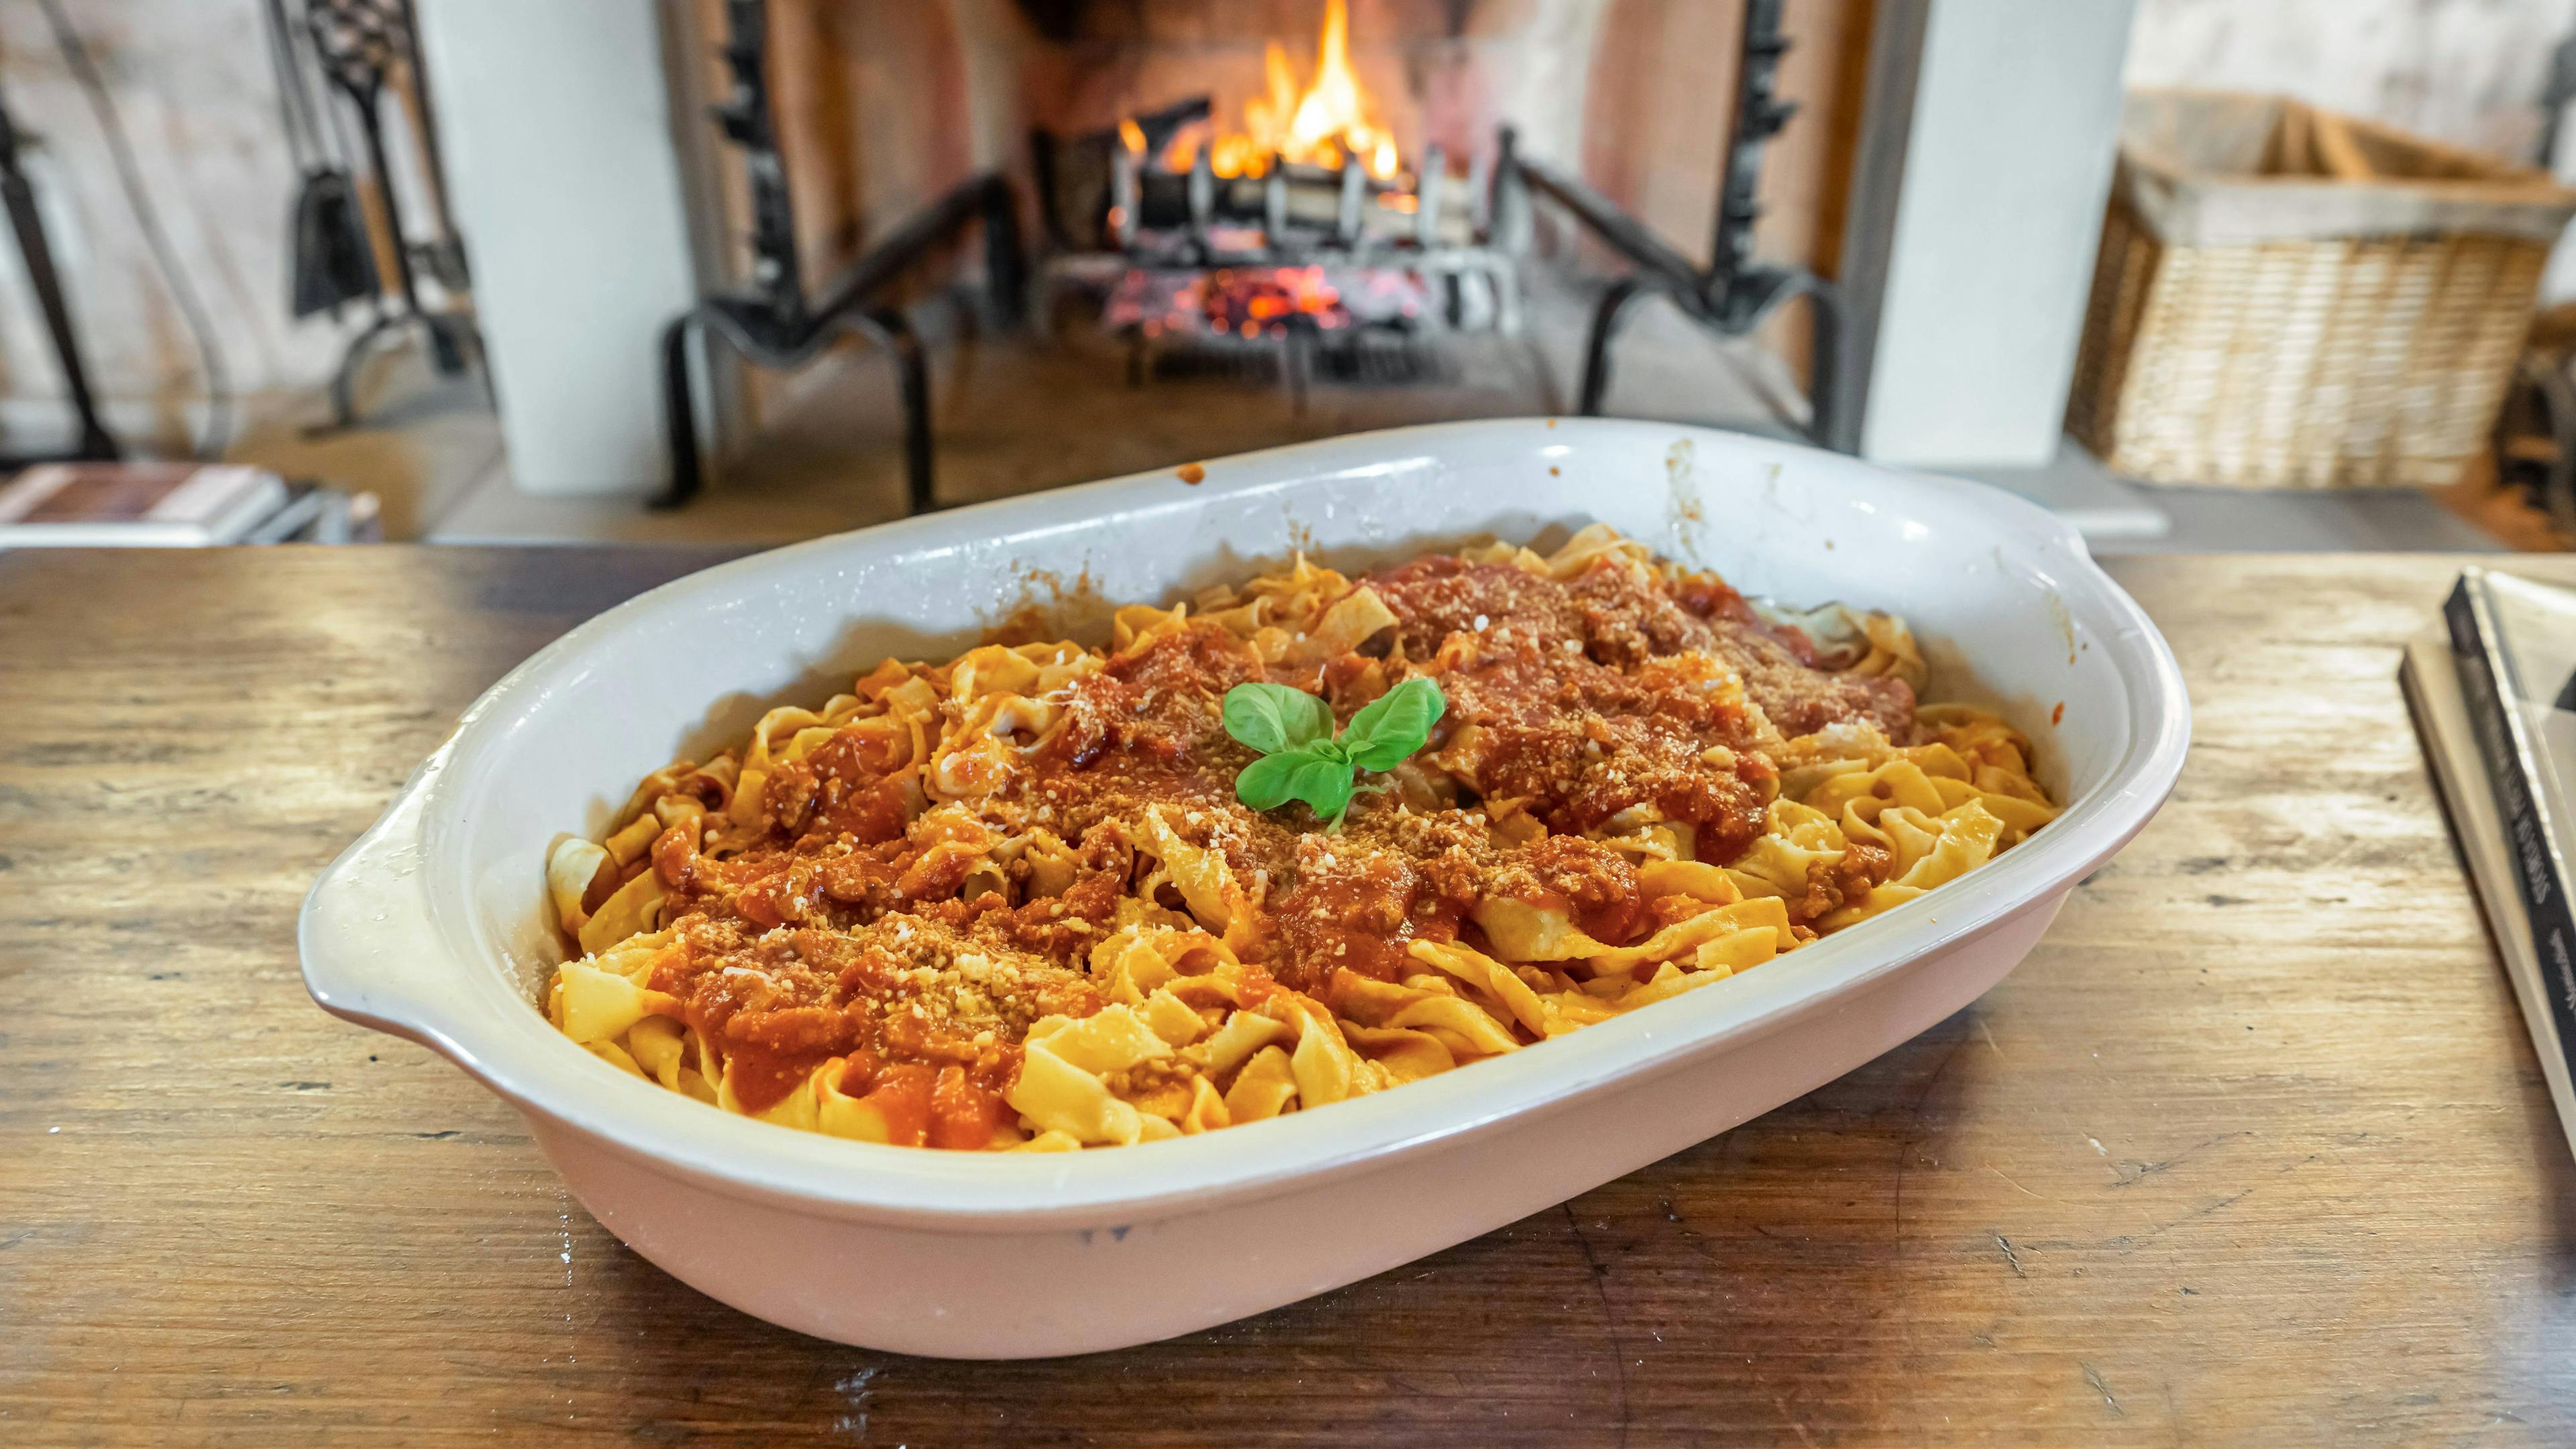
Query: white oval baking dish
{"x": 430, "y": 926}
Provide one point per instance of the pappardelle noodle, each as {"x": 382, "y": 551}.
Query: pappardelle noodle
{"x": 1013, "y": 901}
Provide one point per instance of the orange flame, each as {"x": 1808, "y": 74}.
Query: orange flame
{"x": 1317, "y": 126}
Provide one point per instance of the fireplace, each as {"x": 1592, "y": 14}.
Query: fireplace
{"x": 1277, "y": 233}
{"x": 877, "y": 193}
{"x": 1284, "y": 195}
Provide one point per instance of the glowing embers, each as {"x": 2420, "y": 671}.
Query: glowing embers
{"x": 1257, "y": 302}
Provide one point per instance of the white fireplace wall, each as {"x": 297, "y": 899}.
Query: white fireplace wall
{"x": 2007, "y": 169}
{"x": 571, "y": 191}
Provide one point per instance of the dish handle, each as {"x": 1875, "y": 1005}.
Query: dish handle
{"x": 366, "y": 933}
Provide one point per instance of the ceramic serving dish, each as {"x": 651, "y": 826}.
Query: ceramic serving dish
{"x": 432, "y": 925}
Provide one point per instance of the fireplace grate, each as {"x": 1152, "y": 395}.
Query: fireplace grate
{"x": 1384, "y": 364}
{"x": 1365, "y": 361}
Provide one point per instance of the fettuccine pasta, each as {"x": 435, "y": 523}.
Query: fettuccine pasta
{"x": 1011, "y": 901}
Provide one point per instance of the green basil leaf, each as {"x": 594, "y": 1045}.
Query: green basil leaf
{"x": 1323, "y": 781}
{"x": 1269, "y": 782}
{"x": 1274, "y": 717}
{"x": 1318, "y": 773}
{"x": 1300, "y": 757}
{"x": 1387, "y": 732}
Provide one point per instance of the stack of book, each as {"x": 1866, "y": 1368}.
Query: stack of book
{"x": 2494, "y": 698}
{"x": 174, "y": 505}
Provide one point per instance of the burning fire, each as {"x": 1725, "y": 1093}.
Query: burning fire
{"x": 1319, "y": 126}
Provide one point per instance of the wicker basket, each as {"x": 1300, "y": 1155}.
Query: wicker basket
{"x": 2289, "y": 299}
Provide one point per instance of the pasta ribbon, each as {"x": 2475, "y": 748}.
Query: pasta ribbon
{"x": 1201, "y": 876}
{"x": 1057, "y": 1095}
{"x": 570, "y": 869}
{"x": 1764, "y": 916}
{"x": 1482, "y": 971}
{"x": 1264, "y": 1088}
{"x": 601, "y": 1006}
{"x": 1801, "y": 840}
{"x": 1526, "y": 932}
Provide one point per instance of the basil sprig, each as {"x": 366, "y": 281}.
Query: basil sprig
{"x": 1301, "y": 757}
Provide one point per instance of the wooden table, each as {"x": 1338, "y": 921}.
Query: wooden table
{"x": 2251, "y": 1150}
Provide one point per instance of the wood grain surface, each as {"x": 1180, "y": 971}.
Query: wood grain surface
{"x": 2251, "y": 1150}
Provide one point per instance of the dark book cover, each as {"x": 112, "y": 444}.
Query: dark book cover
{"x": 2514, "y": 642}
